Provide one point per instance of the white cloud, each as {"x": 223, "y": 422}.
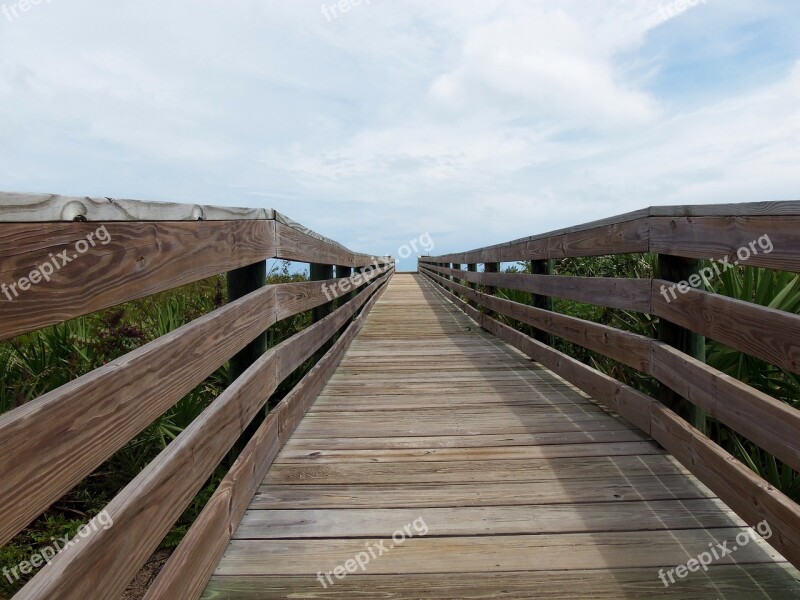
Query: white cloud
{"x": 478, "y": 121}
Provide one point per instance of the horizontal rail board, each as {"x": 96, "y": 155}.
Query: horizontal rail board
{"x": 715, "y": 238}
{"x": 146, "y": 509}
{"x": 617, "y": 238}
{"x": 628, "y": 348}
{"x": 769, "y": 334}
{"x": 628, "y": 294}
{"x": 95, "y": 415}
{"x": 299, "y": 246}
{"x": 40, "y": 208}
{"x": 130, "y": 261}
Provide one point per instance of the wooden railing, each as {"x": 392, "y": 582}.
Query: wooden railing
{"x": 679, "y": 236}
{"x": 52, "y": 443}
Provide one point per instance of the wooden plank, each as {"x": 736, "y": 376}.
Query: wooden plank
{"x": 469, "y": 441}
{"x": 475, "y": 471}
{"x": 381, "y": 523}
{"x": 128, "y": 261}
{"x": 626, "y": 231}
{"x": 765, "y": 421}
{"x": 759, "y": 331}
{"x": 292, "y": 455}
{"x": 404, "y": 495}
{"x": 716, "y": 238}
{"x": 39, "y": 208}
{"x": 51, "y": 443}
{"x": 147, "y": 508}
{"x": 577, "y": 551}
{"x": 732, "y": 582}
{"x": 191, "y": 565}
{"x": 296, "y": 245}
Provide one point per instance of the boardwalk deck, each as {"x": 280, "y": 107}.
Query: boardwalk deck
{"x": 522, "y": 486}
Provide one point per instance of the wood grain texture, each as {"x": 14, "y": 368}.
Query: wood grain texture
{"x": 769, "y": 334}
{"x": 731, "y": 582}
{"x": 128, "y": 261}
{"x": 622, "y": 235}
{"x": 40, "y": 208}
{"x": 718, "y": 237}
{"x": 297, "y": 245}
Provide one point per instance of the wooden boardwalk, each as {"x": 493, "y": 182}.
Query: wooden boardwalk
{"x": 509, "y": 483}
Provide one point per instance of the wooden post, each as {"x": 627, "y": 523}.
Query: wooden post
{"x": 490, "y": 289}
{"x": 472, "y": 268}
{"x": 542, "y": 267}
{"x": 342, "y": 272}
{"x": 319, "y": 272}
{"x": 241, "y": 282}
{"x": 677, "y": 269}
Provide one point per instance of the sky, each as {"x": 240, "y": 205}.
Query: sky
{"x": 379, "y": 122}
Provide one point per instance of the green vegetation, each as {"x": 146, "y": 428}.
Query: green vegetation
{"x": 765, "y": 287}
{"x": 39, "y": 362}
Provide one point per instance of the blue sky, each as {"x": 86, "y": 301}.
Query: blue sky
{"x": 474, "y": 121}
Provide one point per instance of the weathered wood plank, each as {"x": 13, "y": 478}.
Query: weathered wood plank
{"x": 577, "y": 551}
{"x": 769, "y": 334}
{"x": 732, "y": 582}
{"x": 39, "y": 208}
{"x": 613, "y": 292}
{"x": 381, "y": 523}
{"x": 736, "y": 238}
{"x": 126, "y": 261}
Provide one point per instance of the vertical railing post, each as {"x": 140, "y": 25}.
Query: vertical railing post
{"x": 318, "y": 272}
{"x": 341, "y": 272}
{"x": 542, "y": 267}
{"x": 241, "y": 282}
{"x": 678, "y": 269}
{"x": 490, "y": 290}
{"x": 472, "y": 268}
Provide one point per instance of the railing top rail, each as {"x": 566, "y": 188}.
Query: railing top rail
{"x": 54, "y": 208}
{"x": 787, "y": 208}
